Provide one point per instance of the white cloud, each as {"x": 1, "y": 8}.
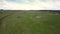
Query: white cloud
{"x": 37, "y": 5}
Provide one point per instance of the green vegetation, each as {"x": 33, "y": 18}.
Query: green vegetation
{"x": 29, "y": 22}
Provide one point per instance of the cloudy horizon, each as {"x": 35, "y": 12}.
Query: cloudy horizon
{"x": 29, "y": 5}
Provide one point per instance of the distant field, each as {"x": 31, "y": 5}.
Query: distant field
{"x": 29, "y": 22}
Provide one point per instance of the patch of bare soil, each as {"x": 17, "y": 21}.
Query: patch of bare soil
{"x": 38, "y": 16}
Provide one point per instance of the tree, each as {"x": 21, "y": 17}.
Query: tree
{"x": 1, "y": 11}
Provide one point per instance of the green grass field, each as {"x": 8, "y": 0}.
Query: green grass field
{"x": 29, "y": 22}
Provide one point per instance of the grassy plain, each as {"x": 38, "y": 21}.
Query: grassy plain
{"x": 29, "y": 22}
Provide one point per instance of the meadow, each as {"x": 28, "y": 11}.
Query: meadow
{"x": 29, "y": 22}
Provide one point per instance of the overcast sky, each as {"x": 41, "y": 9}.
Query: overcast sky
{"x": 30, "y": 4}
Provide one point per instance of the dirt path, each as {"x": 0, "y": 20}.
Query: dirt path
{"x": 3, "y": 24}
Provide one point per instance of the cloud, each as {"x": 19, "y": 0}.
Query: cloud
{"x": 10, "y": 5}
{"x": 36, "y": 5}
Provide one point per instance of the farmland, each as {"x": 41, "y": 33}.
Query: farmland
{"x": 29, "y": 22}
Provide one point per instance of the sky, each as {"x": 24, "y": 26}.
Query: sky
{"x": 30, "y": 4}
